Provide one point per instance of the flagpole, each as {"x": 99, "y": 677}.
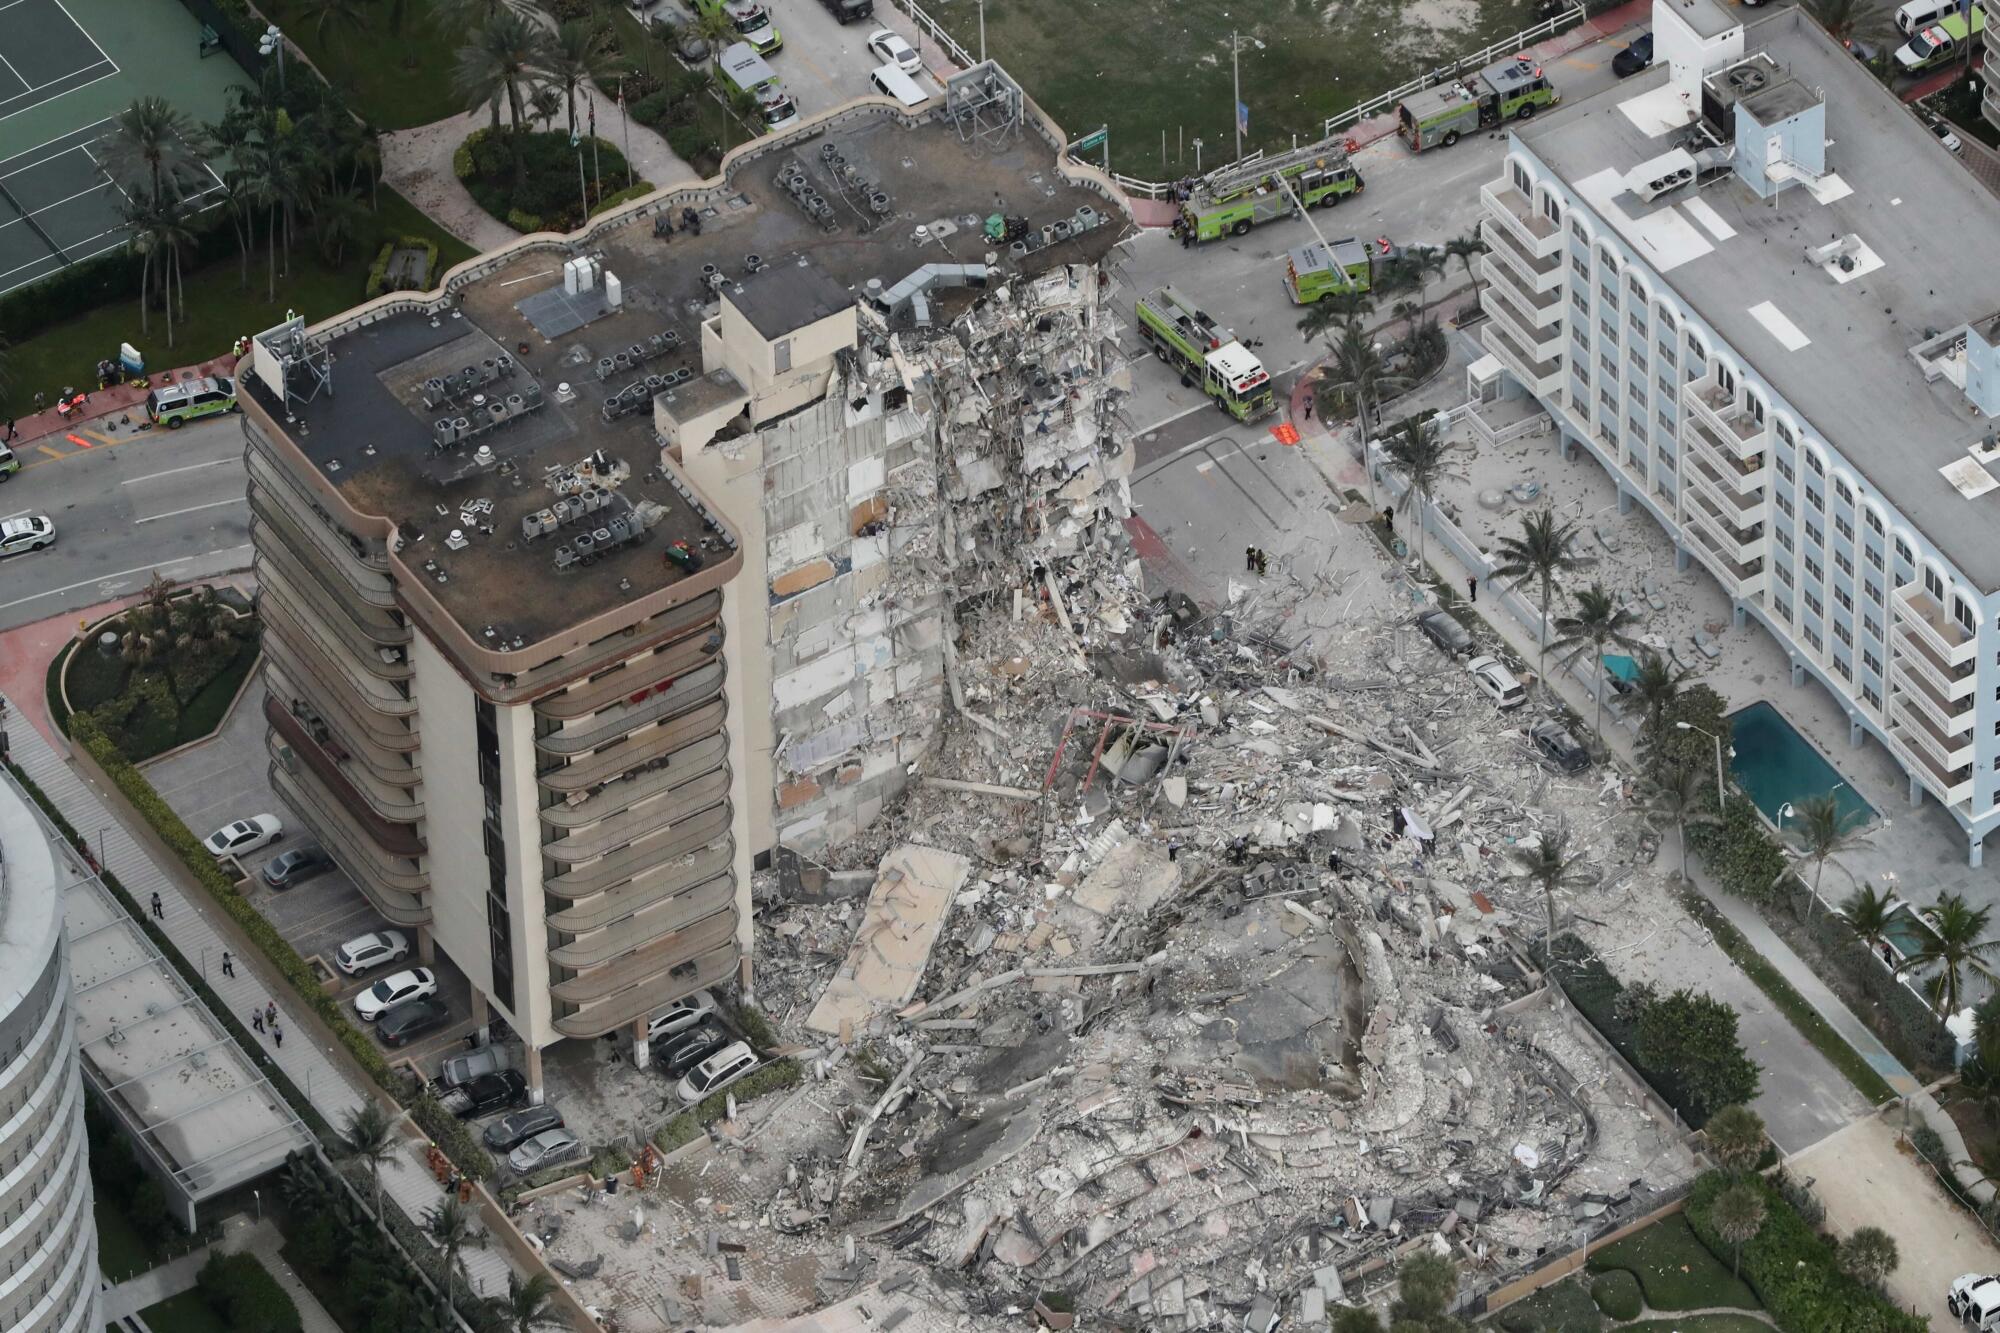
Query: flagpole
{"x": 1236, "y": 78}
{"x": 626, "y": 121}
{"x": 595, "y": 172}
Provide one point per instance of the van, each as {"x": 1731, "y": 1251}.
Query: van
{"x": 191, "y": 400}
{"x": 1940, "y": 42}
{"x": 9, "y": 464}
{"x": 750, "y": 19}
{"x": 743, "y": 70}
{"x": 1916, "y": 15}
{"x": 892, "y": 82}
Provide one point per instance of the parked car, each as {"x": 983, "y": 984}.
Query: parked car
{"x": 400, "y": 1024}
{"x": 516, "y": 1128}
{"x": 29, "y": 532}
{"x": 545, "y": 1149}
{"x": 850, "y": 11}
{"x": 717, "y": 1072}
{"x": 296, "y": 866}
{"x": 488, "y": 1093}
{"x": 415, "y": 984}
{"x": 1555, "y": 744}
{"x": 1442, "y": 628}
{"x": 684, "y": 1052}
{"x": 681, "y": 1015}
{"x": 459, "y": 1070}
{"x": 1941, "y": 130}
{"x": 1496, "y": 682}
{"x": 371, "y": 950}
{"x": 675, "y": 27}
{"x": 1637, "y": 56}
{"x": 1974, "y": 1299}
{"x": 244, "y": 836}
{"x": 890, "y": 48}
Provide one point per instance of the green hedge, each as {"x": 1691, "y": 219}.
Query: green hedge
{"x": 689, "y": 1125}
{"x": 451, "y": 1134}
{"x": 378, "y": 272}
{"x": 1740, "y": 852}
{"x": 1793, "y": 1271}
{"x": 525, "y": 223}
{"x": 637, "y": 190}
{"x": 243, "y": 1294}
{"x": 557, "y": 183}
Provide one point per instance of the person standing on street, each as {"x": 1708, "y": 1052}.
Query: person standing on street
{"x": 257, "y": 1019}
{"x": 159, "y": 909}
{"x": 278, "y": 1036}
{"x": 12, "y": 434}
{"x": 1249, "y": 559}
{"x": 1472, "y": 587}
{"x": 271, "y": 1012}
{"x": 228, "y": 964}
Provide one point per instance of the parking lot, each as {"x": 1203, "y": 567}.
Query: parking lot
{"x": 227, "y": 779}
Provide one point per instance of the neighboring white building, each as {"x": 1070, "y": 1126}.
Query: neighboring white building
{"x": 48, "y": 1241}
{"x": 1753, "y": 287}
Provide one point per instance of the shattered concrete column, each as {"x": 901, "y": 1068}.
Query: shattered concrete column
{"x": 1568, "y": 447}
{"x": 532, "y": 1068}
{"x": 482, "y": 1016}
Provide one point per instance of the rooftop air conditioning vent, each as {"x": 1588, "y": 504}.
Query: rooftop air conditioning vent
{"x": 1747, "y": 79}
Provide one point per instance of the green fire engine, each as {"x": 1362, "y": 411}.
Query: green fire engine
{"x": 1511, "y": 90}
{"x": 1233, "y": 199}
{"x": 1312, "y": 274}
{"x": 1206, "y": 353}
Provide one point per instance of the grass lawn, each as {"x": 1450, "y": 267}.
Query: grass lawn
{"x": 1701, "y": 1323}
{"x": 185, "y": 1313}
{"x": 1169, "y": 67}
{"x": 219, "y": 310}
{"x": 1675, "y": 1269}
{"x": 392, "y": 80}
{"x": 121, "y": 1250}
{"x": 1560, "y": 1307}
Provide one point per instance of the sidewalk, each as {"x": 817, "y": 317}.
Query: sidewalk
{"x": 240, "y": 1235}
{"x": 119, "y": 399}
{"x": 309, "y": 1067}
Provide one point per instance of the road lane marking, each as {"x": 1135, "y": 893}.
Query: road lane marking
{"x": 153, "y": 476}
{"x": 123, "y": 573}
{"x": 52, "y": 453}
{"x": 176, "y": 513}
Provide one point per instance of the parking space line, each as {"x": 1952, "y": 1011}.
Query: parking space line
{"x": 52, "y": 453}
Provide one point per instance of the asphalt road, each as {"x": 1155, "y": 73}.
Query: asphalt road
{"x": 166, "y": 500}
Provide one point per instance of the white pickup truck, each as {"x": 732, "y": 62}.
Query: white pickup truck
{"x": 1974, "y": 1299}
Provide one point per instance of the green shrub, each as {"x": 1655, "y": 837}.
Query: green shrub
{"x": 550, "y": 187}
{"x": 461, "y": 157}
{"x": 243, "y": 1294}
{"x": 523, "y": 222}
{"x": 1617, "y": 1294}
{"x": 637, "y": 190}
{"x": 379, "y": 270}
{"x": 1740, "y": 852}
{"x": 654, "y": 108}
{"x": 1793, "y": 1271}
{"x": 451, "y": 1134}
{"x": 688, "y": 1125}
{"x": 148, "y": 1214}
{"x": 693, "y": 145}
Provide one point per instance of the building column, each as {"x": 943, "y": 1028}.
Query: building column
{"x": 1976, "y": 852}
{"x": 426, "y": 947}
{"x": 1916, "y": 791}
{"x": 1568, "y": 447}
{"x": 532, "y": 1067}
{"x": 1682, "y": 559}
{"x": 1625, "y": 500}
{"x": 1798, "y": 673}
{"x": 642, "y": 1049}
{"x": 482, "y": 1017}
{"x": 1857, "y": 735}
{"x": 1739, "y": 614}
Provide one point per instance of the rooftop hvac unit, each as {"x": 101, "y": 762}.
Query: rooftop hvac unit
{"x": 1746, "y": 79}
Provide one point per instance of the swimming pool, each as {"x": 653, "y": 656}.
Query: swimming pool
{"x": 1622, "y": 667}
{"x": 1776, "y": 766}
{"x": 1906, "y": 933}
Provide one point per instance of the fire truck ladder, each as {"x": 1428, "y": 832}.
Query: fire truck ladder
{"x": 1227, "y": 182}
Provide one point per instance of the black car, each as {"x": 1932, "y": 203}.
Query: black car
{"x": 689, "y": 1049}
{"x": 401, "y": 1023}
{"x": 1637, "y": 56}
{"x": 1442, "y": 628}
{"x": 296, "y": 866}
{"x": 511, "y": 1131}
{"x": 489, "y": 1093}
{"x": 1560, "y": 748}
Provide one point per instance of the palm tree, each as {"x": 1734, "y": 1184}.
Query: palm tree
{"x": 450, "y": 1225}
{"x": 1738, "y": 1215}
{"x": 1653, "y": 691}
{"x": 457, "y": 16}
{"x": 1851, "y": 21}
{"x": 1867, "y": 912}
{"x": 581, "y": 53}
{"x": 1336, "y": 312}
{"x": 1357, "y": 368}
{"x": 1542, "y": 551}
{"x": 369, "y": 1136}
{"x": 1465, "y": 249}
{"x": 545, "y": 106}
{"x": 1552, "y": 864}
{"x": 161, "y": 230}
{"x": 1957, "y": 943}
{"x": 1426, "y": 262}
{"x": 1818, "y": 832}
{"x": 147, "y": 146}
{"x": 493, "y": 66}
{"x": 346, "y": 15}
{"x": 1599, "y": 623}
{"x": 339, "y": 222}
{"x": 715, "y": 27}
{"x": 1735, "y": 1137}
{"x": 1418, "y": 453}
{"x": 1679, "y": 795}
{"x": 527, "y": 1306}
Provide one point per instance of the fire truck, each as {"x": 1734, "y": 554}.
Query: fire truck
{"x": 1315, "y": 272}
{"x": 1207, "y": 354}
{"x": 1511, "y": 90}
{"x": 1231, "y": 200}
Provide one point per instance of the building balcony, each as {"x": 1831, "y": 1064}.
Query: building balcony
{"x": 1543, "y": 343}
{"x": 1952, "y": 717}
{"x": 1952, "y": 786}
{"x": 310, "y": 604}
{"x": 699, "y": 644}
{"x": 1717, "y": 482}
{"x": 697, "y": 792}
{"x": 635, "y": 752}
{"x": 1539, "y": 309}
{"x": 384, "y": 743}
{"x": 646, "y": 961}
{"x": 376, "y": 623}
{"x": 1921, "y": 660}
{"x": 1535, "y": 232}
{"x": 275, "y": 497}
{"x": 1539, "y": 376}
{"x": 1534, "y": 273}
{"x": 1744, "y": 473}
{"x": 1951, "y": 752}
{"x": 650, "y": 922}
{"x": 1736, "y": 432}
{"x": 669, "y": 875}
{"x": 395, "y": 885}
{"x": 614, "y": 648}
{"x": 1739, "y": 577}
{"x": 1951, "y": 643}
{"x": 1743, "y": 538}
{"x": 313, "y": 741}
{"x": 633, "y": 876}
{"x": 335, "y": 663}
{"x": 646, "y": 992}
{"x": 577, "y": 810}
{"x": 667, "y": 698}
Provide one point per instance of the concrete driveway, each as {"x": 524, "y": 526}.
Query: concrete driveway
{"x": 1866, "y": 1177}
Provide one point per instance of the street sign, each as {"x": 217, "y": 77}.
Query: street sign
{"x": 1089, "y": 141}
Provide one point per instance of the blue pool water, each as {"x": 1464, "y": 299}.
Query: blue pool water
{"x": 1621, "y": 666}
{"x": 1775, "y": 765}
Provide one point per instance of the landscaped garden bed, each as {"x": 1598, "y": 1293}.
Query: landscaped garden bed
{"x": 160, "y": 674}
{"x": 550, "y": 185}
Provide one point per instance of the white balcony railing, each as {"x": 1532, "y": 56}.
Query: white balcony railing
{"x": 1535, "y": 273}
{"x": 1952, "y": 642}
{"x": 1538, "y": 235}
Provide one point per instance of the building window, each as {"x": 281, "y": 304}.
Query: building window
{"x": 1582, "y": 303}
{"x": 1814, "y": 571}
{"x": 1784, "y": 576}
{"x": 1666, "y": 420}
{"x": 1874, "y": 554}
{"x": 1843, "y": 490}
{"x": 1844, "y": 634}
{"x": 1846, "y": 602}
{"x": 1784, "y": 503}
{"x": 1785, "y": 469}
{"x": 1934, "y": 584}
{"x": 1784, "y": 609}
{"x": 1903, "y": 551}
{"x": 1609, "y": 297}
{"x": 1963, "y": 610}
{"x": 1872, "y": 662}
{"x": 1874, "y": 592}
{"x": 1607, "y": 261}
{"x": 1785, "y": 540}
{"x": 1843, "y": 527}
{"x": 1872, "y": 627}
{"x": 1843, "y": 666}
{"x": 1813, "y": 465}
{"x": 1813, "y": 639}
{"x": 1580, "y": 264}
{"x": 1874, "y": 521}
{"x": 1605, "y": 329}
{"x": 1845, "y": 562}
{"x": 1814, "y": 605}
{"x": 1874, "y": 699}
{"x": 1609, "y": 366}
{"x": 1814, "y": 535}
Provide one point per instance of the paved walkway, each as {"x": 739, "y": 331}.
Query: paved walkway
{"x": 239, "y": 1234}
{"x": 325, "y": 1083}
{"x": 120, "y": 400}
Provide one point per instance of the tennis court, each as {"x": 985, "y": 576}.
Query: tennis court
{"x": 61, "y": 81}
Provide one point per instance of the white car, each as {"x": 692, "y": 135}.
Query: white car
{"x": 29, "y": 532}
{"x": 414, "y": 984}
{"x": 1974, "y": 1298}
{"x": 1493, "y": 678}
{"x": 681, "y": 1015}
{"x": 717, "y": 1072}
{"x": 371, "y": 950}
{"x": 1946, "y": 136}
{"x": 244, "y": 836}
{"x": 545, "y": 1149}
{"x": 891, "y": 49}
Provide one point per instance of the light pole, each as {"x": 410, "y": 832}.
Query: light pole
{"x": 272, "y": 43}
{"x": 982, "y": 32}
{"x": 1197, "y": 157}
{"x": 1721, "y": 792}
